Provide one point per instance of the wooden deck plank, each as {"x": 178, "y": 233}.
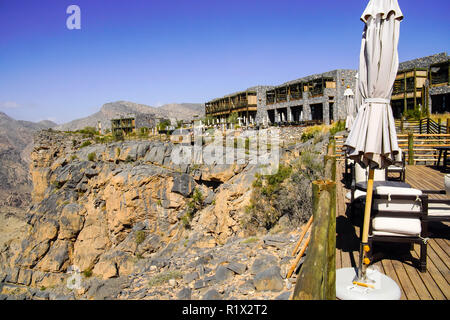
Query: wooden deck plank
{"x": 390, "y": 272}
{"x": 440, "y": 265}
{"x": 445, "y": 246}
{"x": 429, "y": 282}
{"x": 441, "y": 256}
{"x": 405, "y": 281}
{"x": 418, "y": 282}
{"x": 437, "y": 277}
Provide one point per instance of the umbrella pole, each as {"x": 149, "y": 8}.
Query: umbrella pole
{"x": 364, "y": 248}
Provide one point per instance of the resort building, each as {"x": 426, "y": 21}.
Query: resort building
{"x": 126, "y": 124}
{"x": 422, "y": 82}
{"x": 317, "y": 97}
{"x": 123, "y": 126}
{"x": 320, "y": 97}
{"x": 244, "y": 103}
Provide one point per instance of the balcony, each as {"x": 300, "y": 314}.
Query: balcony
{"x": 439, "y": 74}
{"x": 295, "y": 91}
{"x": 270, "y": 97}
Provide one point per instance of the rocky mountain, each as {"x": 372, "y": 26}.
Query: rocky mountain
{"x": 16, "y": 141}
{"x": 175, "y": 111}
{"x": 123, "y": 221}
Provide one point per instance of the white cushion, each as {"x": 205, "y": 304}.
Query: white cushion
{"x": 385, "y": 190}
{"x": 397, "y": 205}
{"x": 396, "y": 226}
{"x": 394, "y": 168}
{"x": 390, "y": 234}
{"x": 358, "y": 193}
{"x": 438, "y": 209}
{"x": 362, "y": 175}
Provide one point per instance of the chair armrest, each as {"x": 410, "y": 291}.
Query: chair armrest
{"x": 443, "y": 201}
{"x": 434, "y": 191}
{"x": 400, "y": 214}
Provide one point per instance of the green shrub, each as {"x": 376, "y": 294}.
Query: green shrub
{"x": 288, "y": 192}
{"x": 129, "y": 159}
{"x": 87, "y": 273}
{"x": 250, "y": 240}
{"x": 337, "y": 127}
{"x": 164, "y": 277}
{"x": 140, "y": 237}
{"x": 417, "y": 113}
{"x": 195, "y": 204}
{"x": 85, "y": 144}
{"x": 92, "y": 156}
{"x": 58, "y": 184}
{"x": 90, "y": 131}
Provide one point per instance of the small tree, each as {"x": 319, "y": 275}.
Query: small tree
{"x": 233, "y": 118}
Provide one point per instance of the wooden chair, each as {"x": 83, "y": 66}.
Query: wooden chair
{"x": 360, "y": 175}
{"x": 438, "y": 209}
{"x": 398, "y": 167}
{"x": 400, "y": 215}
{"x": 349, "y": 163}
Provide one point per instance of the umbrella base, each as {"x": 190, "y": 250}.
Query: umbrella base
{"x": 384, "y": 288}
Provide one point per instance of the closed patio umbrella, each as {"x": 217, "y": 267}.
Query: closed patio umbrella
{"x": 372, "y": 141}
{"x": 349, "y": 108}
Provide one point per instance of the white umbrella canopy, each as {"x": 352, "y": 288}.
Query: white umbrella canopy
{"x": 373, "y": 140}
{"x": 349, "y": 108}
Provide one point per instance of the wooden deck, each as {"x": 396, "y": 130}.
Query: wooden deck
{"x": 398, "y": 261}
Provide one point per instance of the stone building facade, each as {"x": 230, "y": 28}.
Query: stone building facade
{"x": 435, "y": 89}
{"x": 326, "y": 105}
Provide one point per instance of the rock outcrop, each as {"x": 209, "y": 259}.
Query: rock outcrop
{"x": 101, "y": 206}
{"x": 121, "y": 213}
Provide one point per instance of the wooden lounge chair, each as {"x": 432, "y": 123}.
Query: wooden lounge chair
{"x": 400, "y": 215}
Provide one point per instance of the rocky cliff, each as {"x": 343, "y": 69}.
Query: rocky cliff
{"x": 124, "y": 211}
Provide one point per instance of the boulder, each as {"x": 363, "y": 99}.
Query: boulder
{"x": 184, "y": 294}
{"x": 237, "y": 267}
{"x": 269, "y": 280}
{"x": 212, "y": 294}
{"x": 106, "y": 269}
{"x": 71, "y": 221}
{"x": 183, "y": 184}
{"x": 262, "y": 263}
{"x": 223, "y": 273}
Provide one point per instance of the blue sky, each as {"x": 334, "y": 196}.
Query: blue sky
{"x": 156, "y": 52}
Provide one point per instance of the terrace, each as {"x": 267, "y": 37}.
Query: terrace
{"x": 397, "y": 259}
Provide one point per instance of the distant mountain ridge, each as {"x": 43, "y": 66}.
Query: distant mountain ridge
{"x": 16, "y": 143}
{"x": 174, "y": 111}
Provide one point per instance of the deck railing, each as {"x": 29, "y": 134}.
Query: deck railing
{"x": 419, "y": 148}
{"x": 425, "y": 125}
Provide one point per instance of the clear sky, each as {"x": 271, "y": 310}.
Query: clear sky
{"x": 163, "y": 51}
